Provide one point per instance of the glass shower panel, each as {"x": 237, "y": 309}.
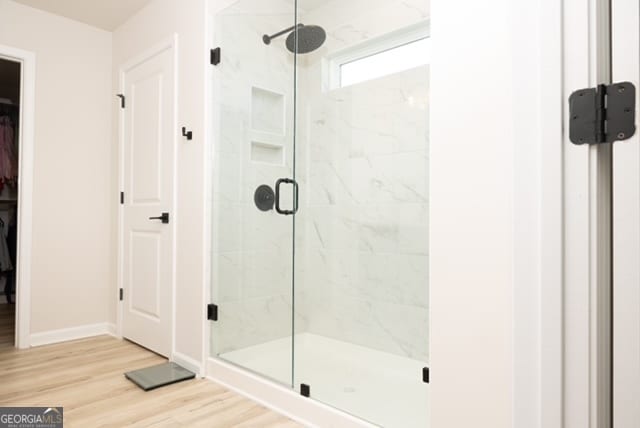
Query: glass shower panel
{"x": 252, "y": 260}
{"x": 361, "y": 242}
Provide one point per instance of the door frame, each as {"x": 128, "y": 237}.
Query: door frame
{"x": 574, "y": 342}
{"x": 587, "y": 229}
{"x": 626, "y": 233}
{"x": 25, "y": 194}
{"x": 576, "y": 259}
{"x": 562, "y": 199}
{"x": 168, "y": 43}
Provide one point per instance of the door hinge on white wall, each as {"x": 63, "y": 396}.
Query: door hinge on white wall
{"x": 215, "y": 56}
{"x": 121, "y": 294}
{"x": 602, "y": 115}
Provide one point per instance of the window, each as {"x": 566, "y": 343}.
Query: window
{"x": 392, "y": 53}
{"x": 391, "y": 61}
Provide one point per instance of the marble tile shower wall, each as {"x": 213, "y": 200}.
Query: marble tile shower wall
{"x": 365, "y": 277}
{"x": 362, "y": 275}
{"x": 252, "y": 251}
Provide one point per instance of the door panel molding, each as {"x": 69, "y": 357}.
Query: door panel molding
{"x": 148, "y": 305}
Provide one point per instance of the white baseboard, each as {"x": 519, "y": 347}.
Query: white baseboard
{"x": 67, "y": 334}
{"x": 283, "y": 400}
{"x": 188, "y": 363}
{"x": 112, "y": 330}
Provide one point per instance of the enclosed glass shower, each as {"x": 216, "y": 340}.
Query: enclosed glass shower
{"x": 320, "y": 233}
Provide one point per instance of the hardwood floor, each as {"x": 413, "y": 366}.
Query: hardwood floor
{"x": 86, "y": 378}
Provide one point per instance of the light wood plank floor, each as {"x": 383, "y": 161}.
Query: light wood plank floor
{"x": 86, "y": 378}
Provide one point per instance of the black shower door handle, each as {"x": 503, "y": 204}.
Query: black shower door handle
{"x": 295, "y": 196}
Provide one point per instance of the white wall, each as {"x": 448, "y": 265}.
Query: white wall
{"x": 472, "y": 215}
{"x": 153, "y": 24}
{"x": 73, "y": 195}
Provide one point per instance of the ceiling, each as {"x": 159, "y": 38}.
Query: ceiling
{"x": 105, "y": 14}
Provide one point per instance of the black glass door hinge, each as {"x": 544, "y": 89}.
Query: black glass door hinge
{"x": 121, "y": 294}
{"x": 212, "y": 312}
{"x": 603, "y": 114}
{"x": 121, "y": 198}
{"x": 216, "y": 56}
{"x": 122, "y": 100}
{"x": 305, "y": 390}
{"x": 425, "y": 374}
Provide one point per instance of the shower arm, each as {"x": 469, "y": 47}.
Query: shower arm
{"x": 267, "y": 39}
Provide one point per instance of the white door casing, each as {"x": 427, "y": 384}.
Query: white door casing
{"x": 25, "y": 196}
{"x": 148, "y": 176}
{"x": 586, "y": 267}
{"x": 626, "y": 227}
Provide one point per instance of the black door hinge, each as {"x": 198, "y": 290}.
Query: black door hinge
{"x": 425, "y": 374}
{"x": 305, "y": 390}
{"x": 602, "y": 115}
{"x": 215, "y": 56}
{"x": 121, "y": 294}
{"x": 121, "y": 198}
{"x": 122, "y": 100}
{"x": 212, "y": 312}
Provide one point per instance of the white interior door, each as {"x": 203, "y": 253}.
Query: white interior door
{"x": 147, "y": 242}
{"x": 626, "y": 228}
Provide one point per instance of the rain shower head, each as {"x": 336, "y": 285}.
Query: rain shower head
{"x": 307, "y": 37}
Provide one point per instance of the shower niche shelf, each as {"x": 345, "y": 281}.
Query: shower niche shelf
{"x": 267, "y": 153}
{"x": 267, "y": 111}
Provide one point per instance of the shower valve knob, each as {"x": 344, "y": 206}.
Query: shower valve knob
{"x": 264, "y": 198}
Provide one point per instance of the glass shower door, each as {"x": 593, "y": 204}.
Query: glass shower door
{"x": 361, "y": 243}
{"x": 252, "y": 260}
{"x": 326, "y": 292}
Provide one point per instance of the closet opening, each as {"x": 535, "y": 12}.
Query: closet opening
{"x": 10, "y": 96}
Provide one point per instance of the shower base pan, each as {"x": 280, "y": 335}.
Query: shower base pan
{"x": 381, "y": 388}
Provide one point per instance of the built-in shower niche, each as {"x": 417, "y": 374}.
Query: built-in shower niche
{"x": 272, "y": 154}
{"x": 267, "y": 111}
{"x": 267, "y": 127}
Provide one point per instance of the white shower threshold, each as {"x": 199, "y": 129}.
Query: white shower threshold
{"x": 345, "y": 379}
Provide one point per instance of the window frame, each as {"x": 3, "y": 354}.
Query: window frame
{"x": 334, "y": 62}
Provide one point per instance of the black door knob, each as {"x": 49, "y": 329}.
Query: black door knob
{"x": 164, "y": 217}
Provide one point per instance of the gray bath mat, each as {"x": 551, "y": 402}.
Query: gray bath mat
{"x": 154, "y": 377}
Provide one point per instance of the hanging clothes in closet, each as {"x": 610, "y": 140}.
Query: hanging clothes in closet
{"x": 9, "y": 120}
{"x": 7, "y": 260}
{"x": 8, "y": 150}
{"x": 6, "y": 264}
